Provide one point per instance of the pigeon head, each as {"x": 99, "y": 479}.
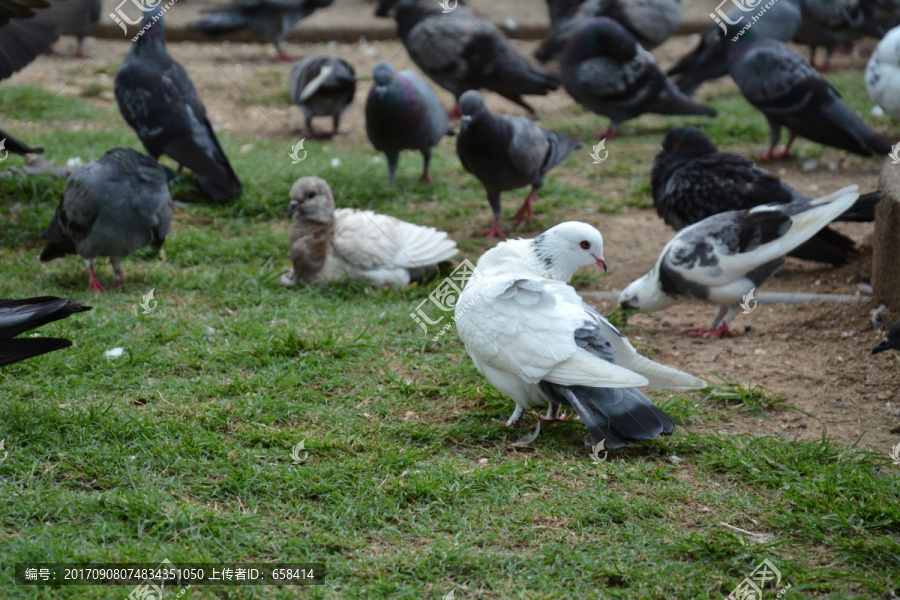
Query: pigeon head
{"x": 153, "y": 30}
{"x": 686, "y": 142}
{"x": 891, "y": 341}
{"x": 471, "y": 104}
{"x": 564, "y": 249}
{"x": 311, "y": 199}
{"x": 383, "y": 74}
{"x": 646, "y": 294}
{"x": 598, "y": 37}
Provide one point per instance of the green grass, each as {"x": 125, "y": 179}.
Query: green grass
{"x": 181, "y": 448}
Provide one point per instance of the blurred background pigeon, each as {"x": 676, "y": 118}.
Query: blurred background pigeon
{"x": 111, "y": 207}
{"x": 271, "y": 19}
{"x": 72, "y": 17}
{"x": 831, "y": 23}
{"x": 403, "y": 112}
{"x": 507, "y": 152}
{"x": 322, "y": 86}
{"x": 158, "y": 99}
{"x": 21, "y": 315}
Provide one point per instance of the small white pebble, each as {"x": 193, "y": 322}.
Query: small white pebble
{"x": 210, "y": 331}
{"x": 877, "y": 112}
{"x": 335, "y": 162}
{"x": 376, "y": 159}
{"x": 370, "y": 51}
{"x": 74, "y": 162}
{"x": 865, "y": 288}
{"x": 675, "y": 459}
{"x": 848, "y": 334}
{"x": 810, "y": 165}
{"x": 246, "y": 148}
{"x": 511, "y": 24}
{"x": 833, "y": 167}
{"x": 332, "y": 44}
{"x": 115, "y": 352}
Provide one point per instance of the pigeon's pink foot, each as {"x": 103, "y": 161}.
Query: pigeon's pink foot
{"x": 823, "y": 68}
{"x": 79, "y": 53}
{"x": 610, "y": 134}
{"x": 337, "y": 132}
{"x": 455, "y": 112}
{"x": 180, "y": 169}
{"x": 94, "y": 283}
{"x": 493, "y": 231}
{"x": 318, "y": 135}
{"x": 553, "y": 414}
{"x": 120, "y": 281}
{"x": 425, "y": 178}
{"x": 283, "y": 57}
{"x": 705, "y": 332}
{"x": 525, "y": 211}
{"x": 770, "y": 154}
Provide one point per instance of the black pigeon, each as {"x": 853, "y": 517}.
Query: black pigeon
{"x": 691, "y": 180}
{"x": 791, "y": 94}
{"x": 506, "y": 152}
{"x": 891, "y": 340}
{"x": 18, "y": 316}
{"x": 271, "y": 19}
{"x": 460, "y": 52}
{"x": 159, "y": 101}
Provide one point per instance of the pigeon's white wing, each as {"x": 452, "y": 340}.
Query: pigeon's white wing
{"x": 526, "y": 327}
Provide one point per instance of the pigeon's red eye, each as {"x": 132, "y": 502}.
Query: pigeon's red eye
{"x": 675, "y": 144}
{"x": 585, "y": 245}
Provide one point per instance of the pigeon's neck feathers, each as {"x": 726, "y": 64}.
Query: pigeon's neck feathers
{"x": 152, "y": 35}
{"x": 535, "y": 257}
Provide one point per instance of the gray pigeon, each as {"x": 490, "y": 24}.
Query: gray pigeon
{"x": 725, "y": 257}
{"x": 322, "y": 86}
{"x": 72, "y": 17}
{"x": 404, "y": 113}
{"x": 651, "y": 22}
{"x": 111, "y": 207}
{"x": 21, "y": 315}
{"x": 506, "y": 152}
{"x": 831, "y": 23}
{"x": 271, "y": 19}
{"x": 159, "y": 101}
{"x": 710, "y": 59}
{"x": 791, "y": 94}
{"x": 460, "y": 52}
{"x": 605, "y": 70}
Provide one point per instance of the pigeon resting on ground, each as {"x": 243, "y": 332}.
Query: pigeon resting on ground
{"x": 271, "y": 19}
{"x": 72, "y": 17}
{"x": 18, "y": 316}
{"x": 322, "y": 86}
{"x": 536, "y": 341}
{"x": 505, "y": 153}
{"x": 790, "y": 93}
{"x": 111, "y": 207}
{"x": 605, "y": 70}
{"x": 404, "y": 113}
{"x": 460, "y": 52}
{"x": 652, "y": 22}
{"x": 725, "y": 257}
{"x": 891, "y": 340}
{"x": 691, "y": 180}
{"x": 329, "y": 245}
{"x": 883, "y": 74}
{"x": 158, "y": 99}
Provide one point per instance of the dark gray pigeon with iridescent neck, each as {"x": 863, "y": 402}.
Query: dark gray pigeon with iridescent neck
{"x": 505, "y": 153}
{"x": 322, "y": 86}
{"x": 605, "y": 70}
{"x": 158, "y": 99}
{"x": 403, "y": 112}
{"x": 111, "y": 207}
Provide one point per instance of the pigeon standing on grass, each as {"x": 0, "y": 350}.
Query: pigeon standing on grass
{"x": 829, "y": 24}
{"x": 18, "y": 316}
{"x": 322, "y": 86}
{"x": 271, "y": 19}
{"x": 883, "y": 74}
{"x": 505, "y": 153}
{"x": 331, "y": 245}
{"x": 605, "y": 70}
{"x": 725, "y": 257}
{"x": 536, "y": 341}
{"x": 158, "y": 99}
{"x": 404, "y": 113}
{"x": 111, "y": 207}
{"x": 691, "y": 180}
{"x": 460, "y": 52}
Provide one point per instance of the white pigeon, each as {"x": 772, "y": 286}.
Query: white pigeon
{"x": 330, "y": 245}
{"x": 536, "y": 341}
{"x": 883, "y": 74}
{"x": 724, "y": 257}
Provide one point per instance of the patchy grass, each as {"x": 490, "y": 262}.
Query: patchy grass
{"x": 181, "y": 448}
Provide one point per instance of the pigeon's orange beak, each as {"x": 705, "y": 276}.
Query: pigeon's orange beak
{"x": 601, "y": 262}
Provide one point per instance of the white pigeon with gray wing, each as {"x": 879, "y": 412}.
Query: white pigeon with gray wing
{"x": 322, "y": 86}
{"x": 332, "y": 245}
{"x": 535, "y": 339}
{"x": 883, "y": 74}
{"x": 725, "y": 257}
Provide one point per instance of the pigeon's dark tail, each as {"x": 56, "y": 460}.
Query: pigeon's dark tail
{"x": 614, "y": 415}
{"x": 17, "y": 146}
{"x": 863, "y": 210}
{"x": 828, "y": 246}
{"x": 12, "y": 351}
{"x": 20, "y": 315}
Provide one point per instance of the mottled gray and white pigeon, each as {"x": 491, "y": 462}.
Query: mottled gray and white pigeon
{"x": 322, "y": 86}
{"x": 791, "y": 94}
{"x": 533, "y": 337}
{"x": 691, "y": 180}
{"x": 460, "y": 52}
{"x": 21, "y": 315}
{"x": 404, "y": 113}
{"x": 651, "y": 22}
{"x": 883, "y": 74}
{"x": 505, "y": 153}
{"x": 725, "y": 257}
{"x": 605, "y": 70}
{"x": 111, "y": 207}
{"x": 271, "y": 19}
{"x": 158, "y": 99}
{"x": 332, "y": 245}
{"x": 891, "y": 341}
{"x": 72, "y": 17}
